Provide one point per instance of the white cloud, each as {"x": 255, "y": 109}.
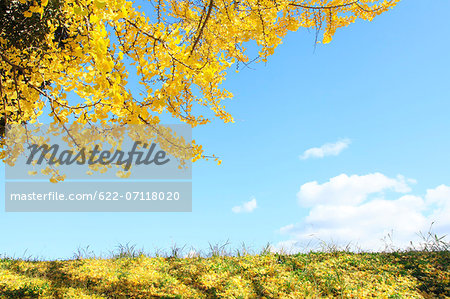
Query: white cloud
{"x": 246, "y": 207}
{"x": 356, "y": 209}
{"x": 328, "y": 149}
{"x": 439, "y": 198}
{"x": 344, "y": 189}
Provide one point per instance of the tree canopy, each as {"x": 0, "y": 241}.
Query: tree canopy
{"x": 72, "y": 59}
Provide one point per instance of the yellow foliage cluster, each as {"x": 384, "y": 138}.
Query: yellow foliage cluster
{"x": 325, "y": 275}
{"x": 181, "y": 54}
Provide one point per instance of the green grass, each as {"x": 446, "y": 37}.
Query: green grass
{"x": 129, "y": 273}
{"x": 420, "y": 271}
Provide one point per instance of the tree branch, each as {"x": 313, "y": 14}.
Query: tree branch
{"x": 208, "y": 14}
{"x": 324, "y": 7}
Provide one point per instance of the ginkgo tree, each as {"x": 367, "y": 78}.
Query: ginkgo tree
{"x": 71, "y": 59}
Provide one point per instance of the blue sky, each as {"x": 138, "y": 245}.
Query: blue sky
{"x": 381, "y": 88}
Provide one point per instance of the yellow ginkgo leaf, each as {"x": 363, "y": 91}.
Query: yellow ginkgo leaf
{"x": 28, "y": 14}
{"x": 100, "y": 3}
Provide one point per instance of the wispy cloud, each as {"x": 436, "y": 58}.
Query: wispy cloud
{"x": 328, "y": 149}
{"x": 246, "y": 207}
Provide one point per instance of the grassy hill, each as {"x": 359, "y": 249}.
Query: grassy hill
{"x": 400, "y": 274}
